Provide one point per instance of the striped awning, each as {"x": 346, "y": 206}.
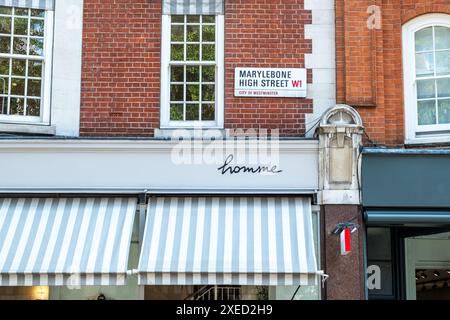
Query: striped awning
{"x": 206, "y": 7}
{"x": 65, "y": 241}
{"x": 33, "y": 4}
{"x": 238, "y": 241}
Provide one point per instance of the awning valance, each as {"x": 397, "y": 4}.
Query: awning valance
{"x": 233, "y": 240}
{"x": 407, "y": 218}
{"x": 33, "y": 4}
{"x": 65, "y": 241}
{"x": 207, "y": 7}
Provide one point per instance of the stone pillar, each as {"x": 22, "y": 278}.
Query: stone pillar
{"x": 340, "y": 136}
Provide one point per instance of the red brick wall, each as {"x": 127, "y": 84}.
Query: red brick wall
{"x": 369, "y": 62}
{"x": 121, "y": 67}
{"x": 121, "y": 64}
{"x": 265, "y": 34}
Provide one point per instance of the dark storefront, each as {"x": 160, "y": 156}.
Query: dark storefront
{"x": 406, "y": 200}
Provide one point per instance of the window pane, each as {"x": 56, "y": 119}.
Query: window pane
{"x": 37, "y": 47}
{"x": 424, "y": 39}
{"x": 209, "y": 52}
{"x": 426, "y": 111}
{"x": 444, "y": 111}
{"x": 38, "y": 13}
{"x": 192, "y": 92}
{"x": 199, "y": 81}
{"x": 177, "y": 73}
{"x": 5, "y": 44}
{"x": 34, "y": 68}
{"x": 20, "y": 45}
{"x": 18, "y": 67}
{"x": 192, "y": 112}
{"x": 442, "y": 37}
{"x": 379, "y": 243}
{"x": 33, "y": 107}
{"x": 443, "y": 63}
{"x": 443, "y": 87}
{"x": 3, "y": 105}
{"x": 16, "y": 107}
{"x": 177, "y": 52}
{"x": 37, "y": 27}
{"x": 176, "y": 92}
{"x": 176, "y": 112}
{"x": 193, "y": 33}
{"x": 177, "y": 33}
{"x": 17, "y": 87}
{"x": 424, "y": 64}
{"x": 193, "y": 19}
{"x": 34, "y": 88}
{"x": 208, "y": 113}
{"x": 193, "y": 74}
{"x": 5, "y": 25}
{"x": 178, "y": 18}
{"x": 426, "y": 89}
{"x": 4, "y": 85}
{"x": 5, "y": 10}
{"x": 193, "y": 52}
{"x": 4, "y": 66}
{"x": 209, "y": 74}
{"x": 21, "y": 12}
{"x": 20, "y": 26}
{"x": 208, "y": 92}
{"x": 209, "y": 33}
{"x": 209, "y": 19}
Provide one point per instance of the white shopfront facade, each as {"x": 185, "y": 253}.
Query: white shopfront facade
{"x": 131, "y": 219}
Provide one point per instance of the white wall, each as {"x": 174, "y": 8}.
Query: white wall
{"x": 322, "y": 61}
{"x": 66, "y": 80}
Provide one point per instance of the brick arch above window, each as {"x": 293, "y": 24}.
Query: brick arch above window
{"x": 424, "y": 9}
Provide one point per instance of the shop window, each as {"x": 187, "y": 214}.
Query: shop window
{"x": 25, "y": 65}
{"x": 379, "y": 257}
{"x": 192, "y": 71}
{"x": 427, "y": 78}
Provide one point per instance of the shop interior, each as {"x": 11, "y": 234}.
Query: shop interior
{"x": 414, "y": 262}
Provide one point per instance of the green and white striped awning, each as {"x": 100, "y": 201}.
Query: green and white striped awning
{"x": 206, "y": 7}
{"x": 65, "y": 241}
{"x": 228, "y": 240}
{"x": 33, "y": 4}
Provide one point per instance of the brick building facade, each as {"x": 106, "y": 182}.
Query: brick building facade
{"x": 392, "y": 66}
{"x": 117, "y": 79}
{"x": 121, "y": 65}
{"x": 370, "y": 62}
{"x": 93, "y": 189}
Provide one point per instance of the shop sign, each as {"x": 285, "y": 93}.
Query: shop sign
{"x": 159, "y": 166}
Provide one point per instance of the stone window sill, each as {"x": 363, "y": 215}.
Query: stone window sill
{"x": 27, "y": 129}
{"x": 192, "y": 133}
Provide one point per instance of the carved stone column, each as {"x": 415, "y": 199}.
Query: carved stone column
{"x": 340, "y": 135}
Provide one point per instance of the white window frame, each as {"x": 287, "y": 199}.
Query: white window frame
{"x": 44, "y": 119}
{"x": 412, "y": 128}
{"x": 165, "y": 80}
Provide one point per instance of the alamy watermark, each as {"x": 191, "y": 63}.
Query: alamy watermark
{"x": 373, "y": 277}
{"x": 375, "y": 20}
{"x": 251, "y": 151}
